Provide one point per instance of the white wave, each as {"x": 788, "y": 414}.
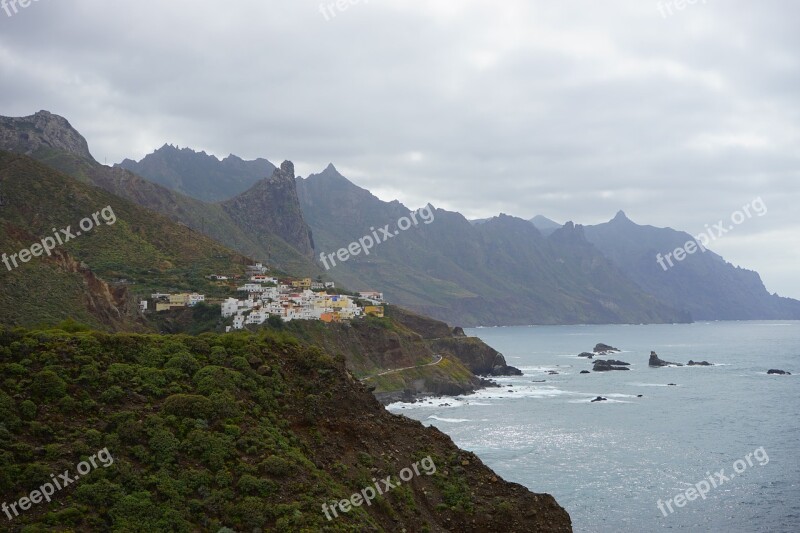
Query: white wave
{"x": 454, "y": 420}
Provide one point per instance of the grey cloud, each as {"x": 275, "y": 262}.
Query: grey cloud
{"x": 570, "y": 109}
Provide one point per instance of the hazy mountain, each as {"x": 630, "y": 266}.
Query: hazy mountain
{"x": 50, "y": 139}
{"x": 502, "y": 271}
{"x": 198, "y": 174}
{"x": 545, "y": 225}
{"x": 703, "y": 284}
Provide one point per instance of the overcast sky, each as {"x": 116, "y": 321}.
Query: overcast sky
{"x": 569, "y": 109}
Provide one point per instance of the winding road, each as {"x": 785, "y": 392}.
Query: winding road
{"x": 406, "y": 368}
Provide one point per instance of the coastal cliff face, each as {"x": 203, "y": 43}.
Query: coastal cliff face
{"x": 395, "y": 362}
{"x": 480, "y": 358}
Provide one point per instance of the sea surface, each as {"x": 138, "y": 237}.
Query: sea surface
{"x": 609, "y": 463}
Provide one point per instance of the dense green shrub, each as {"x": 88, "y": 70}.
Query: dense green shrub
{"x": 47, "y": 385}
{"x": 188, "y": 406}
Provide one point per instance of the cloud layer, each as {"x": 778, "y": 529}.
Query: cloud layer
{"x": 568, "y": 109}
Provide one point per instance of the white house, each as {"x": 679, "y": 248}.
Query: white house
{"x": 372, "y": 295}
{"x": 195, "y": 299}
{"x": 230, "y": 307}
{"x": 251, "y": 287}
{"x": 257, "y": 317}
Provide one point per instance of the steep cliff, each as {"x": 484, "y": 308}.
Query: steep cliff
{"x": 272, "y": 206}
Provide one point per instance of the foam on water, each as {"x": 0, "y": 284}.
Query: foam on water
{"x": 551, "y": 438}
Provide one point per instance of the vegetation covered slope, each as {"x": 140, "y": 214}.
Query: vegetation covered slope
{"x": 153, "y": 254}
{"x": 240, "y": 431}
{"x": 143, "y": 248}
{"x": 52, "y": 140}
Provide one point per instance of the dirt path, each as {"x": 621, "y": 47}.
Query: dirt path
{"x": 406, "y": 368}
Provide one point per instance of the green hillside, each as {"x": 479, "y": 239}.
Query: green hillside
{"x": 226, "y": 433}
{"x": 140, "y": 249}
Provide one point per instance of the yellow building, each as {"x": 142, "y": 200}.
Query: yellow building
{"x": 340, "y": 303}
{"x": 179, "y": 299}
{"x": 304, "y": 283}
{"x": 374, "y": 310}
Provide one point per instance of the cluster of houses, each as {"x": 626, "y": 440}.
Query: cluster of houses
{"x": 265, "y": 296}
{"x": 302, "y": 300}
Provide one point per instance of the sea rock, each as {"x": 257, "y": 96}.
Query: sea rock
{"x": 612, "y": 362}
{"x": 506, "y": 370}
{"x": 656, "y": 361}
{"x": 585, "y": 372}
{"x": 586, "y": 354}
{"x": 640, "y": 395}
{"x": 599, "y": 399}
{"x": 779, "y": 372}
{"x": 552, "y": 372}
{"x": 604, "y": 349}
{"x": 604, "y": 365}
{"x": 672, "y": 384}
{"x": 699, "y": 363}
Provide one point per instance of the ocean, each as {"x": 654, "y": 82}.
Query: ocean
{"x": 728, "y": 431}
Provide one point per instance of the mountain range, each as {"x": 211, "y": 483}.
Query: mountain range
{"x": 499, "y": 271}
{"x": 198, "y": 174}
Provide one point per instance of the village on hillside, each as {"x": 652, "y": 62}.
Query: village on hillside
{"x": 264, "y": 296}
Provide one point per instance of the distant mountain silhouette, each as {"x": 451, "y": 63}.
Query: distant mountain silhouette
{"x": 501, "y": 271}
{"x": 198, "y": 174}
{"x": 703, "y": 284}
{"x": 544, "y": 224}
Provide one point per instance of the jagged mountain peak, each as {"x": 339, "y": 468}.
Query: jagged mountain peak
{"x": 287, "y": 167}
{"x": 621, "y": 217}
{"x": 199, "y": 174}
